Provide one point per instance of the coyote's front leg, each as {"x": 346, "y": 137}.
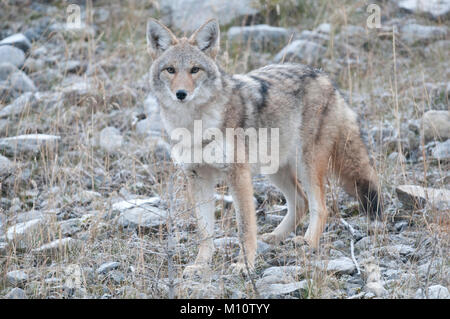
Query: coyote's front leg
{"x": 202, "y": 193}
{"x": 240, "y": 183}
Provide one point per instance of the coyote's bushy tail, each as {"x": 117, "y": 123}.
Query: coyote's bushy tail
{"x": 352, "y": 167}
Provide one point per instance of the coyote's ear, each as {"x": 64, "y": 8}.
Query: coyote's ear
{"x": 207, "y": 38}
{"x": 159, "y": 38}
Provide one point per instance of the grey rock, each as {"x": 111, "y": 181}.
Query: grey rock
{"x": 6, "y": 166}
{"x": 129, "y": 292}
{"x": 401, "y": 225}
{"x": 277, "y": 290}
{"x": 441, "y": 47}
{"x": 413, "y": 196}
{"x": 117, "y": 277}
{"x": 283, "y": 271}
{"x": 435, "y": 8}
{"x": 227, "y": 243}
{"x": 324, "y": 28}
{"x": 63, "y": 245}
{"x": 24, "y": 234}
{"x": 342, "y": 265}
{"x": 179, "y": 13}
{"x": 433, "y": 292}
{"x": 33, "y": 65}
{"x": 22, "y": 104}
{"x": 20, "y": 82}
{"x": 442, "y": 150}
{"x": 110, "y": 139}
{"x": 16, "y": 293}
{"x": 436, "y": 125}
{"x": 30, "y": 143}
{"x": 72, "y": 66}
{"x": 416, "y": 33}
{"x": 376, "y": 288}
{"x": 13, "y": 55}
{"x": 259, "y": 37}
{"x": 143, "y": 218}
{"x": 107, "y": 267}
{"x": 304, "y": 51}
{"x": 16, "y": 277}
{"x": 70, "y": 227}
{"x": 17, "y": 40}
{"x": 6, "y": 69}
{"x": 3, "y": 248}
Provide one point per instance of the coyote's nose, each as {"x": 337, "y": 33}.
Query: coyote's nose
{"x": 181, "y": 95}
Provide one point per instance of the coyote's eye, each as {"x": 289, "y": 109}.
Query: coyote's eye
{"x": 195, "y": 69}
{"x": 170, "y": 69}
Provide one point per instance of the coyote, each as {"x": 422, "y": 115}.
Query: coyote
{"x": 318, "y": 134}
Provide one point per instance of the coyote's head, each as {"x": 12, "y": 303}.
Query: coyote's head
{"x": 184, "y": 70}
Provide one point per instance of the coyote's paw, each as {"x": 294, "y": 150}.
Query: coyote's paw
{"x": 195, "y": 271}
{"x": 240, "y": 268}
{"x": 271, "y": 238}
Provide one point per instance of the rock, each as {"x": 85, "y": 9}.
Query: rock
{"x": 142, "y": 218}
{"x": 64, "y": 245}
{"x": 4, "y": 247}
{"x": 401, "y": 225}
{"x": 16, "y": 277}
{"x": 117, "y": 277}
{"x": 13, "y": 55}
{"x": 273, "y": 279}
{"x": 20, "y": 82}
{"x": 129, "y": 292}
{"x": 422, "y": 34}
{"x": 179, "y": 13}
{"x": 131, "y": 203}
{"x": 72, "y": 66}
{"x": 376, "y": 288}
{"x": 6, "y": 69}
{"x": 6, "y": 166}
{"x": 70, "y": 227}
{"x": 436, "y": 125}
{"x": 434, "y": 292}
{"x": 435, "y": 8}
{"x": 30, "y": 143}
{"x": 17, "y": 40}
{"x": 277, "y": 290}
{"x": 226, "y": 243}
{"x": 284, "y": 271}
{"x": 442, "y": 151}
{"x": 413, "y": 196}
{"x": 260, "y": 37}
{"x": 33, "y": 65}
{"x": 439, "y": 47}
{"x": 75, "y": 88}
{"x": 110, "y": 139}
{"x": 24, "y": 234}
{"x": 107, "y": 267}
{"x": 304, "y": 51}
{"x": 324, "y": 28}
{"x": 16, "y": 293}
{"x": 19, "y": 105}
{"x": 342, "y": 265}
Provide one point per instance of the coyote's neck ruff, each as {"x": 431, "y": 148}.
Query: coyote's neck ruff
{"x": 318, "y": 134}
